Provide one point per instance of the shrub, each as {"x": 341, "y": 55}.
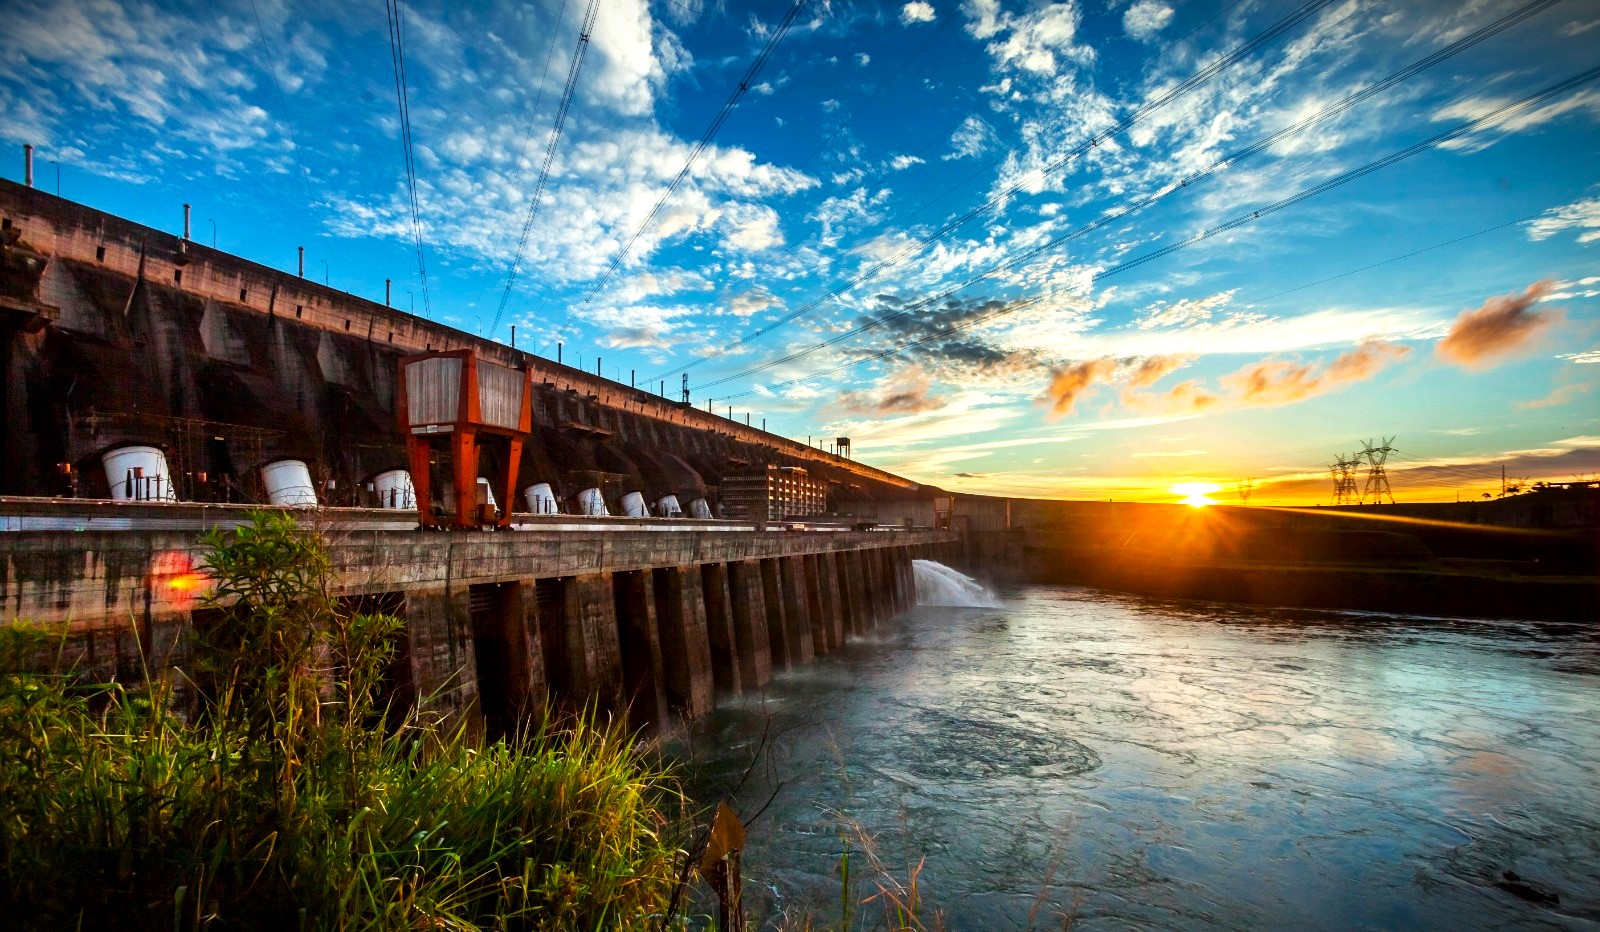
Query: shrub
{"x": 272, "y": 804}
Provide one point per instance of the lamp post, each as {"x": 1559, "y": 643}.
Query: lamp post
{"x": 325, "y": 272}
{"x": 213, "y": 232}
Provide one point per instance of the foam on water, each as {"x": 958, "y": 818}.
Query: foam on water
{"x": 938, "y": 584}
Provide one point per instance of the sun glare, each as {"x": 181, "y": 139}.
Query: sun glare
{"x": 1196, "y": 493}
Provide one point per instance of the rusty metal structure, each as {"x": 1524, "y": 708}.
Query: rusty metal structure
{"x": 456, "y": 397}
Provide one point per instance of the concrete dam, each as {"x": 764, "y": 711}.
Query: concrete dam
{"x": 650, "y": 556}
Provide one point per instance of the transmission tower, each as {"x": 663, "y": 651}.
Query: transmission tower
{"x": 1377, "y": 476}
{"x": 1246, "y": 486}
{"x": 1343, "y": 470}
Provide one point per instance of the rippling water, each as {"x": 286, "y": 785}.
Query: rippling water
{"x": 1132, "y": 762}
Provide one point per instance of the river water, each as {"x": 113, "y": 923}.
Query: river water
{"x": 1115, "y": 761}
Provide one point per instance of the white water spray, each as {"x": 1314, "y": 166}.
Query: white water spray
{"x": 938, "y": 584}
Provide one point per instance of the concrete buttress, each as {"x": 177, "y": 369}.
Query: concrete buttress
{"x": 592, "y": 647}
{"x": 797, "y": 610}
{"x": 638, "y": 636}
{"x": 685, "y": 642}
{"x": 777, "y": 629}
{"x": 443, "y": 667}
{"x": 849, "y": 597}
{"x": 748, "y": 598}
{"x": 719, "y": 625}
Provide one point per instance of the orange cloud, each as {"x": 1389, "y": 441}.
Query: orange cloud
{"x": 1069, "y": 382}
{"x": 906, "y": 394}
{"x": 1278, "y": 382}
{"x": 1186, "y": 396}
{"x": 1504, "y": 324}
{"x": 1152, "y": 369}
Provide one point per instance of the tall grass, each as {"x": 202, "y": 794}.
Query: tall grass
{"x": 266, "y": 799}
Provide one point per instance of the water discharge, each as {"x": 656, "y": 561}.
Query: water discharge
{"x": 939, "y": 585}
{"x": 1146, "y": 764}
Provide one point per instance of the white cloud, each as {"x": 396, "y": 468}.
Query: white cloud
{"x": 1581, "y": 215}
{"x": 970, "y": 139}
{"x": 837, "y": 214}
{"x": 917, "y": 12}
{"x": 1513, "y": 121}
{"x": 751, "y": 301}
{"x": 1146, "y": 18}
{"x": 1183, "y": 312}
{"x": 1039, "y": 39}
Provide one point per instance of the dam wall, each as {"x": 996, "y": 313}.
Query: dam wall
{"x": 617, "y": 614}
{"x": 114, "y": 333}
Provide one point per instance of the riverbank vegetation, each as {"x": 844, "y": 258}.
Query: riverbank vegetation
{"x": 260, "y": 786}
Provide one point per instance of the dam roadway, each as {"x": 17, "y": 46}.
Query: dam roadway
{"x": 656, "y": 617}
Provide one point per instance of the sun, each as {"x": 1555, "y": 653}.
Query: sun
{"x": 1196, "y": 493}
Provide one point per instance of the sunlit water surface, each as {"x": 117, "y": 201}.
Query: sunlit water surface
{"x": 1133, "y": 762}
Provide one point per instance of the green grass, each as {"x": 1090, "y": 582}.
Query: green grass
{"x": 258, "y": 796}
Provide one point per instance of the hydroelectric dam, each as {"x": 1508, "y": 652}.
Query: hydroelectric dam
{"x": 613, "y": 546}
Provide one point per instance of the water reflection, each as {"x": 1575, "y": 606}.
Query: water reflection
{"x": 1187, "y": 765}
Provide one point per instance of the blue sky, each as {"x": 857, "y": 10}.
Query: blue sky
{"x": 986, "y": 190}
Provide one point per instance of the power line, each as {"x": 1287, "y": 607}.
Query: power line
{"x": 840, "y": 128}
{"x": 533, "y": 113}
{"x": 1260, "y": 145}
{"x": 397, "y": 56}
{"x": 549, "y": 154}
{"x": 980, "y": 168}
{"x": 1234, "y": 55}
{"x": 1236, "y": 222}
{"x": 699, "y": 147}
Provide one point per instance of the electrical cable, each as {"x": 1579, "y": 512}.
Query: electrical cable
{"x": 1363, "y": 171}
{"x": 699, "y": 149}
{"x": 533, "y": 113}
{"x": 839, "y": 129}
{"x": 1228, "y": 161}
{"x": 397, "y": 54}
{"x": 549, "y": 154}
{"x": 1223, "y": 61}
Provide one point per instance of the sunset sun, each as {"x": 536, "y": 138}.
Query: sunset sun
{"x": 1196, "y": 493}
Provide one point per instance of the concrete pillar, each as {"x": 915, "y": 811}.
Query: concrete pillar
{"x": 833, "y": 590}
{"x": 878, "y": 584}
{"x": 797, "y": 610}
{"x": 818, "y": 606}
{"x": 899, "y": 559}
{"x": 777, "y": 630}
{"x": 745, "y": 591}
{"x": 443, "y": 667}
{"x": 508, "y": 664}
{"x": 908, "y": 580}
{"x": 850, "y": 582}
{"x": 643, "y": 680}
{"x": 719, "y": 626}
{"x": 593, "y": 651}
{"x": 685, "y": 642}
{"x": 847, "y": 598}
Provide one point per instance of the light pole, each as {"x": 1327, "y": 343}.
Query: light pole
{"x": 213, "y": 232}
{"x": 325, "y": 272}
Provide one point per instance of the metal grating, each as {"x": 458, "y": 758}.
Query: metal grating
{"x": 433, "y": 390}
{"x": 499, "y": 395}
